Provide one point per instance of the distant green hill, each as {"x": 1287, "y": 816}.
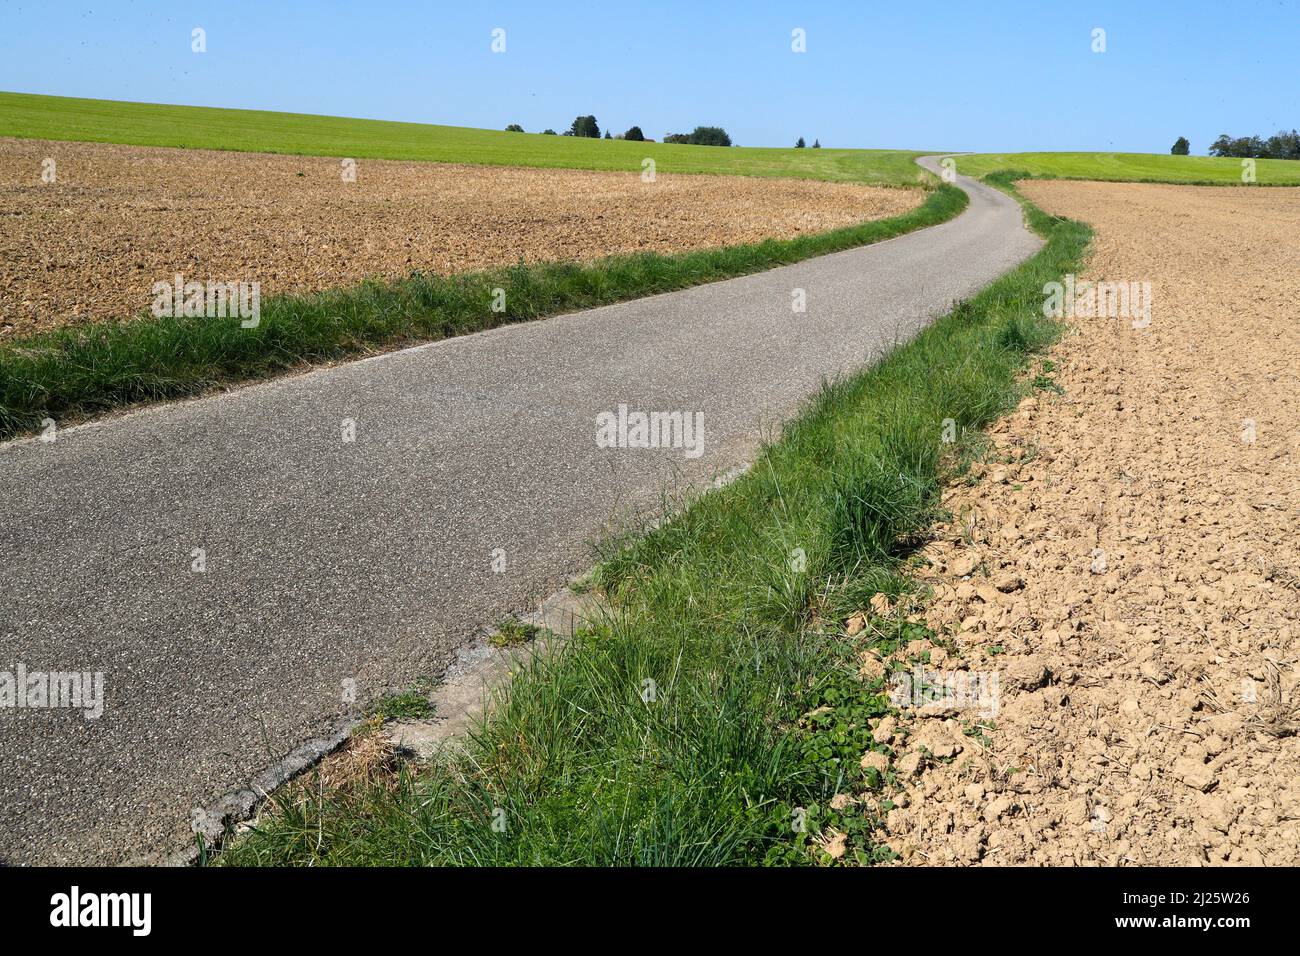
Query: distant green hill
{"x": 1139, "y": 167}
{"x": 31, "y": 116}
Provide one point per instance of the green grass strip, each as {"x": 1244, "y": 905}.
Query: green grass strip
{"x": 711, "y": 716}
{"x": 1133, "y": 168}
{"x": 73, "y": 373}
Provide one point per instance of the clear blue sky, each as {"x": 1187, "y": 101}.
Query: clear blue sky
{"x": 995, "y": 75}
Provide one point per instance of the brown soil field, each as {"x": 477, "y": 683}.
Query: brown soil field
{"x": 119, "y": 218}
{"x": 1128, "y": 562}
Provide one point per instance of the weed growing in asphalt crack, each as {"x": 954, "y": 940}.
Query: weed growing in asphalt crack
{"x": 512, "y": 632}
{"x": 412, "y": 704}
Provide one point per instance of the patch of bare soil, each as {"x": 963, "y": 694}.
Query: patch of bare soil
{"x": 117, "y": 219}
{"x": 1128, "y": 563}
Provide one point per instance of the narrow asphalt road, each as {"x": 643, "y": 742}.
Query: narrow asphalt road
{"x": 333, "y": 564}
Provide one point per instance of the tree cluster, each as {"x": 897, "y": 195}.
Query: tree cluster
{"x": 1281, "y": 145}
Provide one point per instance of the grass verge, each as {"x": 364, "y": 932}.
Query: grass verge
{"x": 713, "y": 713}
{"x": 74, "y": 373}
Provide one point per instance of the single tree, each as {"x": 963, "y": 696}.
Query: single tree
{"x": 799, "y": 143}
{"x": 709, "y": 136}
{"x": 548, "y": 132}
{"x": 585, "y": 126}
{"x": 817, "y": 144}
{"x": 514, "y": 128}
{"x": 635, "y": 134}
{"x": 1181, "y": 147}
{"x": 607, "y": 136}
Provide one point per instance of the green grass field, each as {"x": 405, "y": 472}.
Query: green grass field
{"x": 1131, "y": 167}
{"x": 30, "y": 116}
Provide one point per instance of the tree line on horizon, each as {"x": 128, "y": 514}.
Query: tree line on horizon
{"x": 1281, "y": 145}
{"x": 586, "y": 127}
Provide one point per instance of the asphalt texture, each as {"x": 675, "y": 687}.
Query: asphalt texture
{"x": 335, "y": 569}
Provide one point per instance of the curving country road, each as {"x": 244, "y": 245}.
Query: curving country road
{"x": 372, "y": 560}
